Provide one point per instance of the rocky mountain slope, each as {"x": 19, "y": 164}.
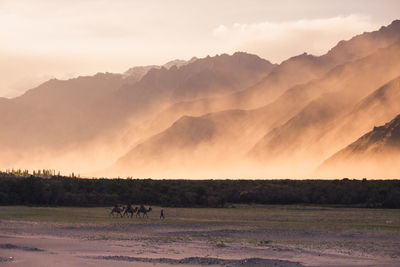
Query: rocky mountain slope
{"x": 332, "y": 96}
{"x": 62, "y": 117}
{"x": 376, "y": 154}
{"x": 293, "y": 122}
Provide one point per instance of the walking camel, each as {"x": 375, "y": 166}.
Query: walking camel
{"x": 116, "y": 209}
{"x": 131, "y": 210}
{"x": 143, "y": 210}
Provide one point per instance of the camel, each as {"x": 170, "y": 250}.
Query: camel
{"x": 116, "y": 209}
{"x": 130, "y": 210}
{"x": 143, "y": 210}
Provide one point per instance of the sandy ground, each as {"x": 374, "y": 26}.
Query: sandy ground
{"x": 118, "y": 243}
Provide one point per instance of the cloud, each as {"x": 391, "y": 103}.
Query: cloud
{"x": 221, "y": 29}
{"x": 278, "y": 41}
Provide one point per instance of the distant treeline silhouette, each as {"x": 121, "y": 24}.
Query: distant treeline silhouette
{"x": 67, "y": 191}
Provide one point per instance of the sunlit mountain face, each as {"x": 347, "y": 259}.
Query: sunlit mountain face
{"x": 231, "y": 115}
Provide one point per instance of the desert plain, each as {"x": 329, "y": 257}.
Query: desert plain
{"x": 241, "y": 235}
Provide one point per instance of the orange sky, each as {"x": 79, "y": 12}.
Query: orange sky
{"x": 42, "y": 39}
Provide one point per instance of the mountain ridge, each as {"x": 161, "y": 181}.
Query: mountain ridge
{"x": 342, "y": 76}
{"x": 212, "y": 113}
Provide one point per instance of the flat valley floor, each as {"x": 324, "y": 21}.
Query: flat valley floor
{"x": 244, "y": 235}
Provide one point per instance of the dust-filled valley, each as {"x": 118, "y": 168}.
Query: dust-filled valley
{"x": 226, "y": 116}
{"x": 200, "y": 133}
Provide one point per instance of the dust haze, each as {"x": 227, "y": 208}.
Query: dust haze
{"x": 226, "y": 116}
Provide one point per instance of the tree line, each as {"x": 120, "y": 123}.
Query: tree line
{"x": 71, "y": 191}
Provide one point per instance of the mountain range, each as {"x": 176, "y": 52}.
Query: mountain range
{"x": 227, "y": 116}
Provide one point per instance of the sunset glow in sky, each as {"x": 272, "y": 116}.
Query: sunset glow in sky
{"x": 42, "y": 39}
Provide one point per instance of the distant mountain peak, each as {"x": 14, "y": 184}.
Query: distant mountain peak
{"x": 179, "y": 62}
{"x": 345, "y": 48}
{"x": 395, "y": 23}
{"x": 134, "y": 74}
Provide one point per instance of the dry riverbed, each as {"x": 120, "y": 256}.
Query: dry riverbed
{"x": 240, "y": 236}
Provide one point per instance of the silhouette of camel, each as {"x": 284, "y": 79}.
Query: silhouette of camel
{"x": 131, "y": 210}
{"x": 143, "y": 210}
{"x": 116, "y": 209}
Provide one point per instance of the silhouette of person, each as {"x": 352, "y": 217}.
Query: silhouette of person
{"x": 162, "y": 214}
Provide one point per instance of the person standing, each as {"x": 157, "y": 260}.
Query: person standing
{"x": 162, "y": 214}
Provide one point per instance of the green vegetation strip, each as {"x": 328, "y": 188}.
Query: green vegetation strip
{"x": 63, "y": 191}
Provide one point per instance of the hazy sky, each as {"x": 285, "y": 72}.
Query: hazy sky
{"x": 41, "y": 39}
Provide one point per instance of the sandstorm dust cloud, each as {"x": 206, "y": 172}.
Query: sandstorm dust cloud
{"x": 226, "y": 116}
